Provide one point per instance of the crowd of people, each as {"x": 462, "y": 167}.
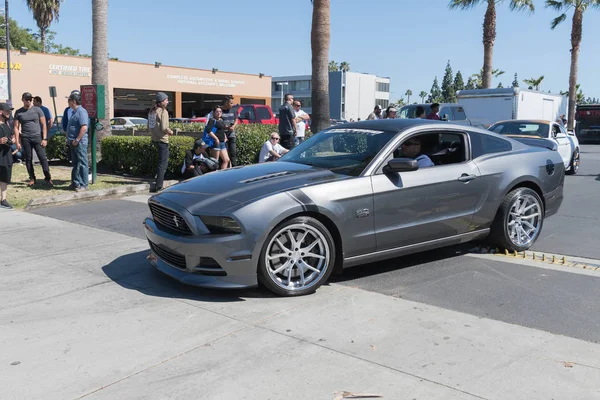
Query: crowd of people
{"x": 27, "y": 132}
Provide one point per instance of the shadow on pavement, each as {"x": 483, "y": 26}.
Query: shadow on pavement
{"x": 394, "y": 264}
{"x": 132, "y": 271}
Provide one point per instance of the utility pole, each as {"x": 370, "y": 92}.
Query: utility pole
{"x": 8, "y": 69}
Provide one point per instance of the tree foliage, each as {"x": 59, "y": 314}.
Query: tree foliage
{"x": 448, "y": 92}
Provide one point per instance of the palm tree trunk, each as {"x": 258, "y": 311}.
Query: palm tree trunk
{"x": 100, "y": 58}
{"x": 489, "y": 37}
{"x": 576, "y": 29}
{"x": 43, "y": 39}
{"x": 319, "y": 38}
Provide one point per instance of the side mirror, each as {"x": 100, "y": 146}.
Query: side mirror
{"x": 401, "y": 165}
{"x": 445, "y": 117}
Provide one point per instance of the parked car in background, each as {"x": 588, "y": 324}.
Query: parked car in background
{"x": 350, "y": 195}
{"x": 523, "y": 129}
{"x": 255, "y": 114}
{"x": 123, "y": 123}
{"x": 587, "y": 127}
{"x": 450, "y": 112}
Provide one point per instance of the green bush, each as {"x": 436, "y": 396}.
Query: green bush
{"x": 138, "y": 156}
{"x": 57, "y": 148}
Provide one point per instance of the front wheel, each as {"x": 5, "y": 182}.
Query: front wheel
{"x": 297, "y": 257}
{"x": 519, "y": 220}
{"x": 574, "y": 166}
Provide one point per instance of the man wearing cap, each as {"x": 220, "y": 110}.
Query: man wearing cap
{"x": 31, "y": 132}
{"x": 376, "y": 114}
{"x": 158, "y": 122}
{"x": 77, "y": 139}
{"x": 197, "y": 162}
{"x": 6, "y": 158}
{"x": 435, "y": 109}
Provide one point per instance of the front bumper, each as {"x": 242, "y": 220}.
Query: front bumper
{"x": 210, "y": 261}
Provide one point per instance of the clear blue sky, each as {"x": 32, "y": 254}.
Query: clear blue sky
{"x": 401, "y": 39}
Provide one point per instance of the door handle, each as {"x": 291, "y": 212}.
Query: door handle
{"x": 466, "y": 177}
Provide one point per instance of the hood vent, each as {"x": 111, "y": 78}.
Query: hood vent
{"x": 264, "y": 177}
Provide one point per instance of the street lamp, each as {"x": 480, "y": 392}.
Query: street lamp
{"x": 281, "y": 84}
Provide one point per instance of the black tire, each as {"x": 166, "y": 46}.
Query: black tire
{"x": 499, "y": 234}
{"x": 272, "y": 281}
{"x": 574, "y": 166}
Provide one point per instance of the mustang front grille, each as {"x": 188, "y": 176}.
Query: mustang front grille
{"x": 169, "y": 219}
{"x": 174, "y": 259}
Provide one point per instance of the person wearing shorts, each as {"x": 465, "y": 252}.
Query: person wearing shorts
{"x": 216, "y": 138}
{"x": 6, "y": 158}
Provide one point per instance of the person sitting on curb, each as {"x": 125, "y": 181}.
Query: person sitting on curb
{"x": 197, "y": 162}
{"x": 17, "y": 154}
{"x": 272, "y": 150}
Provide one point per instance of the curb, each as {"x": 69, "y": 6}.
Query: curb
{"x": 75, "y": 197}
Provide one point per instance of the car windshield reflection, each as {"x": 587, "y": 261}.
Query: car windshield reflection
{"x": 518, "y": 128}
{"x": 344, "y": 151}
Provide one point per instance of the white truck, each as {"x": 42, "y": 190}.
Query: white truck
{"x": 503, "y": 104}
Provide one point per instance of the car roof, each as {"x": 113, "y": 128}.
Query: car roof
{"x": 525, "y": 121}
{"x": 389, "y": 124}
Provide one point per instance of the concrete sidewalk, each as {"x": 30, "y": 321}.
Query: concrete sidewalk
{"x": 83, "y": 315}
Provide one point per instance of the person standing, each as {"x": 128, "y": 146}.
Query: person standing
{"x": 6, "y": 158}
{"x": 231, "y": 121}
{"x": 215, "y": 135}
{"x": 37, "y": 101}
{"x": 77, "y": 139}
{"x": 301, "y": 118}
{"x": 435, "y": 109}
{"x": 376, "y": 114}
{"x": 287, "y": 123}
{"x": 158, "y": 122}
{"x": 68, "y": 111}
{"x": 30, "y": 131}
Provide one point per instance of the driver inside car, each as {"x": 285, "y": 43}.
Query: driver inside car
{"x": 412, "y": 149}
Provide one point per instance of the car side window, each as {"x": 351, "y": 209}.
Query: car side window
{"x": 482, "y": 144}
{"x": 447, "y": 111}
{"x": 247, "y": 113}
{"x": 459, "y": 114}
{"x": 556, "y": 132}
{"x": 263, "y": 113}
{"x": 441, "y": 148}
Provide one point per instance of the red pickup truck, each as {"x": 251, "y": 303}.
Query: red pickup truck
{"x": 249, "y": 114}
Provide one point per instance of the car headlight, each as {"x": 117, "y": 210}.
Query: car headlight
{"x": 221, "y": 225}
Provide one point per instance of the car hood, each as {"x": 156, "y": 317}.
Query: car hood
{"x": 218, "y": 191}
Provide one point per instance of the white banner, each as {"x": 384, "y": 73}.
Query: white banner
{"x": 3, "y": 87}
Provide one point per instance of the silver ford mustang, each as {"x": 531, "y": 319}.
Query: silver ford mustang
{"x": 353, "y": 194}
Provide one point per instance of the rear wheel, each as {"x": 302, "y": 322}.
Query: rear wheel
{"x": 519, "y": 220}
{"x": 297, "y": 257}
{"x": 574, "y": 166}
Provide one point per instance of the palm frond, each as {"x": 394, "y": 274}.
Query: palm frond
{"x": 556, "y": 21}
{"x": 463, "y": 4}
{"x": 521, "y": 5}
{"x": 557, "y": 5}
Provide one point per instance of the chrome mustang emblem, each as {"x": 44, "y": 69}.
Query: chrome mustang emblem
{"x": 175, "y": 220}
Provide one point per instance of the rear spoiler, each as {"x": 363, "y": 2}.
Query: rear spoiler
{"x": 538, "y": 142}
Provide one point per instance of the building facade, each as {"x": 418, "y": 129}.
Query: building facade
{"x": 132, "y": 86}
{"x": 352, "y": 95}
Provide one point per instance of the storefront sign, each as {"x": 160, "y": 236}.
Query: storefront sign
{"x": 13, "y": 66}
{"x": 69, "y": 70}
{"x": 202, "y": 81}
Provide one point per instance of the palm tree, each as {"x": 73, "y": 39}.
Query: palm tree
{"x": 579, "y": 8}
{"x": 344, "y": 66}
{"x": 320, "y": 37}
{"x": 478, "y": 78}
{"x": 408, "y": 94}
{"x": 489, "y": 29}
{"x": 422, "y": 95}
{"x": 533, "y": 82}
{"x": 333, "y": 66}
{"x": 100, "y": 57}
{"x": 44, "y": 12}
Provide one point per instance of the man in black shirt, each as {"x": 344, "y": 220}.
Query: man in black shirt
{"x": 6, "y": 160}
{"x": 31, "y": 132}
{"x": 230, "y": 119}
{"x": 287, "y": 123}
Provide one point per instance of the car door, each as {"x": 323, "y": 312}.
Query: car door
{"x": 427, "y": 204}
{"x": 564, "y": 144}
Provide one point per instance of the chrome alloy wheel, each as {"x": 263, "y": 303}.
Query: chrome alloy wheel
{"x": 297, "y": 256}
{"x": 524, "y": 220}
{"x": 576, "y": 161}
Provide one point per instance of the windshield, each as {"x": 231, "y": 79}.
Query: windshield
{"x": 407, "y": 112}
{"x": 521, "y": 128}
{"x": 340, "y": 150}
{"x": 138, "y": 121}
